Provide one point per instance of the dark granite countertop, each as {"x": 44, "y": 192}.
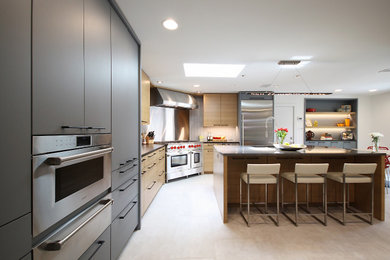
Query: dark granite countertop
{"x": 250, "y": 150}
{"x": 148, "y": 148}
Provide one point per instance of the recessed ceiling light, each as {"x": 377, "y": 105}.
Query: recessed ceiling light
{"x": 301, "y": 57}
{"x": 212, "y": 70}
{"x": 196, "y": 86}
{"x": 338, "y": 90}
{"x": 297, "y": 76}
{"x": 159, "y": 82}
{"x": 170, "y": 24}
{"x": 373, "y": 90}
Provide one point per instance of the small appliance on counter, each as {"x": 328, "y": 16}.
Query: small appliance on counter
{"x": 347, "y": 135}
{"x": 326, "y": 137}
{"x": 309, "y": 135}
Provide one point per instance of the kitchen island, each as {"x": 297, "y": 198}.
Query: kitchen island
{"x": 231, "y": 161}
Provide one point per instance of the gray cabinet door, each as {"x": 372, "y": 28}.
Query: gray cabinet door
{"x": 58, "y": 67}
{"x": 15, "y": 109}
{"x": 97, "y": 56}
{"x": 125, "y": 95}
{"x": 15, "y": 238}
{"x": 100, "y": 249}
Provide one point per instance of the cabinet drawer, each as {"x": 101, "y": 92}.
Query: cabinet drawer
{"x": 100, "y": 249}
{"x": 123, "y": 174}
{"x": 123, "y": 227}
{"x": 149, "y": 193}
{"x": 15, "y": 238}
{"x": 123, "y": 195}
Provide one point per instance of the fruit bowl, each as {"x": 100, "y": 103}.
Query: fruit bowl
{"x": 290, "y": 147}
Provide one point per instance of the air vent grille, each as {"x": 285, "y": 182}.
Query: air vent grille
{"x": 384, "y": 70}
{"x": 289, "y": 62}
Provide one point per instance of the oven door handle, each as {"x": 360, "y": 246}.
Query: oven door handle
{"x": 61, "y": 160}
{"x": 56, "y": 245}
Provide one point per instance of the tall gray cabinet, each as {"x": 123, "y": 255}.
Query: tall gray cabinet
{"x": 71, "y": 67}
{"x": 125, "y": 134}
{"x": 15, "y": 149}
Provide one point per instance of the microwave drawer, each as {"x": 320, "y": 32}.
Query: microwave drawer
{"x": 123, "y": 195}
{"x": 100, "y": 249}
{"x": 123, "y": 227}
{"x": 71, "y": 241}
{"x": 123, "y": 174}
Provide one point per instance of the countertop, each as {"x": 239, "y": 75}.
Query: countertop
{"x": 216, "y": 142}
{"x": 148, "y": 148}
{"x": 250, "y": 150}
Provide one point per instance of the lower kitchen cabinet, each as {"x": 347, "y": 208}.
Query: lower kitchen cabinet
{"x": 208, "y": 158}
{"x": 123, "y": 227}
{"x": 123, "y": 195}
{"x": 100, "y": 249}
{"x": 153, "y": 176}
{"x": 15, "y": 238}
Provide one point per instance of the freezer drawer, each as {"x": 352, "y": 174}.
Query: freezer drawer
{"x": 100, "y": 249}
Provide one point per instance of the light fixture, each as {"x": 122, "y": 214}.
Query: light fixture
{"x": 159, "y": 82}
{"x": 196, "y": 86}
{"x": 373, "y": 90}
{"x": 338, "y": 90}
{"x": 170, "y": 24}
{"x": 212, "y": 70}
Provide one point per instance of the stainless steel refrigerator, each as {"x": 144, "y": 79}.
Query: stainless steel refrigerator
{"x": 256, "y": 118}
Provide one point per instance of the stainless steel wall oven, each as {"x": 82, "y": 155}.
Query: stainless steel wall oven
{"x": 68, "y": 173}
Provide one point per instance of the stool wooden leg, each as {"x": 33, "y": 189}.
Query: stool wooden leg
{"x": 307, "y": 196}
{"x": 325, "y": 201}
{"x": 347, "y": 195}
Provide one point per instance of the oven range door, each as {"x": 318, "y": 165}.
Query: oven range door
{"x": 65, "y": 181}
{"x": 196, "y": 159}
{"x": 178, "y": 164}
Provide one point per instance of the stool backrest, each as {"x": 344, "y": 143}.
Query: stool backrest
{"x": 311, "y": 168}
{"x": 262, "y": 169}
{"x": 359, "y": 168}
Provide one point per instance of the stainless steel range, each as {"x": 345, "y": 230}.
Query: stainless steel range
{"x": 184, "y": 159}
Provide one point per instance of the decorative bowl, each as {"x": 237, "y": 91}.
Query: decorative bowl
{"x": 291, "y": 147}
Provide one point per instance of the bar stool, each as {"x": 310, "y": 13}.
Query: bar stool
{"x": 354, "y": 173}
{"x": 307, "y": 173}
{"x": 260, "y": 174}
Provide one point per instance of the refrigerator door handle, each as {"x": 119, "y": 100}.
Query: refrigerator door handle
{"x": 242, "y": 130}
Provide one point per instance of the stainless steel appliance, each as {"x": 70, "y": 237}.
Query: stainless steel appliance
{"x": 256, "y": 120}
{"x": 68, "y": 173}
{"x": 184, "y": 159}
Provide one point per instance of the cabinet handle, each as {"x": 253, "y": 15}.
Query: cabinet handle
{"x": 162, "y": 172}
{"x": 134, "y": 180}
{"x": 161, "y": 158}
{"x": 150, "y": 167}
{"x": 122, "y": 217}
{"x": 149, "y": 156}
{"x": 143, "y": 172}
{"x": 96, "y": 128}
{"x": 81, "y": 127}
{"x": 143, "y": 160}
{"x": 149, "y": 188}
{"x": 100, "y": 244}
{"x": 128, "y": 161}
{"x": 128, "y": 169}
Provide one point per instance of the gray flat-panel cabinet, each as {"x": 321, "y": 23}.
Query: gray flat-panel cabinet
{"x": 58, "y": 66}
{"x": 125, "y": 94}
{"x": 15, "y": 109}
{"x": 71, "y": 67}
{"x": 15, "y": 238}
{"x": 97, "y": 65}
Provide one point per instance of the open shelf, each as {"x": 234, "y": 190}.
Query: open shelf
{"x": 332, "y": 127}
{"x": 330, "y": 113}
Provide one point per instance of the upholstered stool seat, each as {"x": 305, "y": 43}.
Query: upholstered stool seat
{"x": 260, "y": 179}
{"x": 310, "y": 178}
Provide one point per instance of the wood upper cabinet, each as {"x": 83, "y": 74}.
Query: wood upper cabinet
{"x": 145, "y": 99}
{"x": 220, "y": 110}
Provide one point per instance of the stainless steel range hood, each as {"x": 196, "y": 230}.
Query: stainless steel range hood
{"x": 168, "y": 98}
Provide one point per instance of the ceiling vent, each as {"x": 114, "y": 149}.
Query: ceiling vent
{"x": 289, "y": 62}
{"x": 384, "y": 70}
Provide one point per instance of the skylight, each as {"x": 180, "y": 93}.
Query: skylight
{"x": 212, "y": 70}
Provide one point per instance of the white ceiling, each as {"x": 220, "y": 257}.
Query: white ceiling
{"x": 348, "y": 39}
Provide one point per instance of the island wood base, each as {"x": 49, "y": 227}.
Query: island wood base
{"x": 227, "y": 170}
